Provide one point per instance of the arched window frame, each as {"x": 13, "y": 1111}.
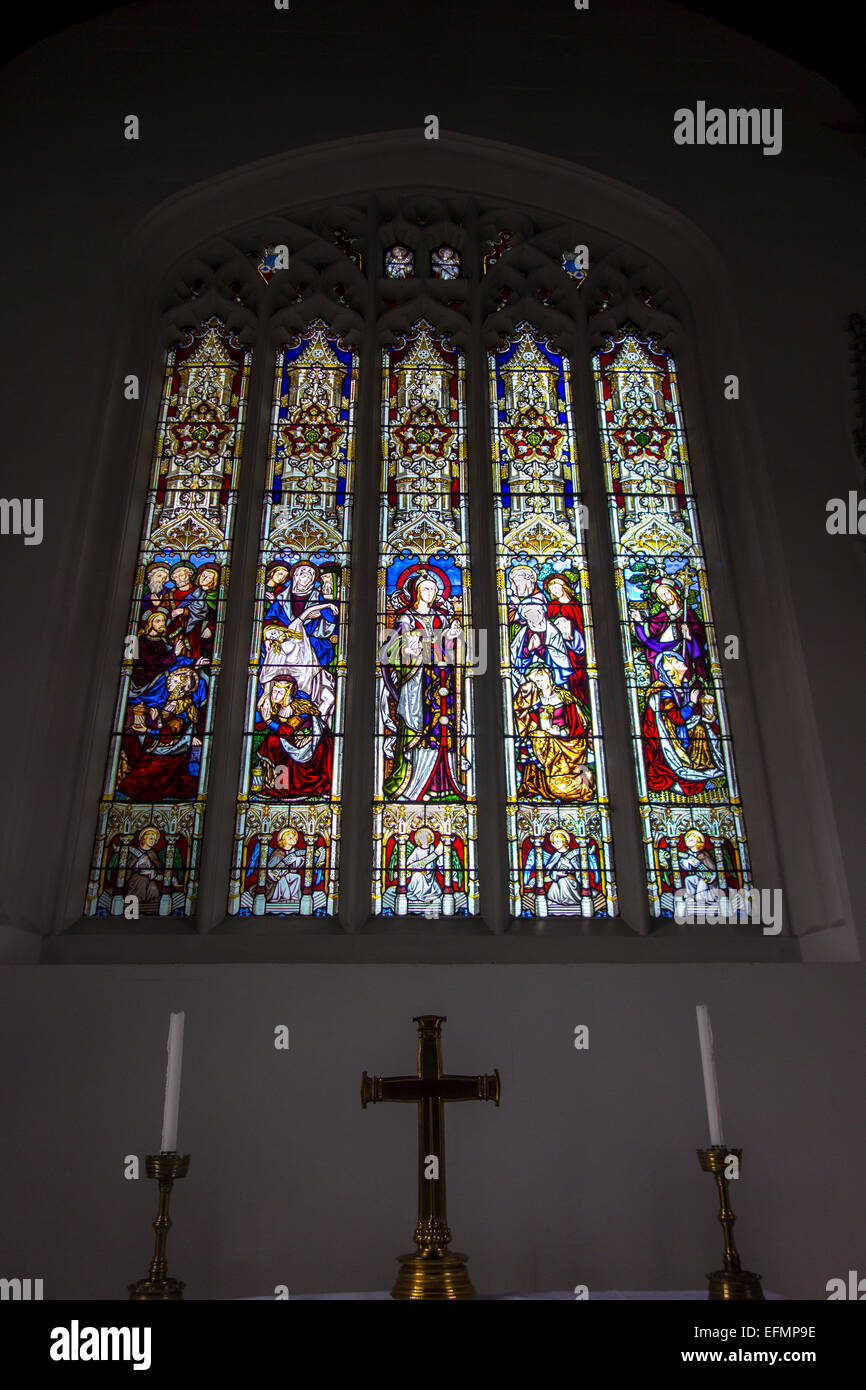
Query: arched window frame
{"x": 703, "y": 340}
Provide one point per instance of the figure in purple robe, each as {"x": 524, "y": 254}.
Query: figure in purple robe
{"x": 672, "y": 626}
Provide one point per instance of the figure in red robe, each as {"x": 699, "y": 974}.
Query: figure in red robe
{"x": 161, "y": 747}
{"x": 296, "y": 755}
{"x": 681, "y": 736}
{"x": 565, "y": 612}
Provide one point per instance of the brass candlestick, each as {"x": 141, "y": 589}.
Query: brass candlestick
{"x": 732, "y": 1282}
{"x": 165, "y": 1167}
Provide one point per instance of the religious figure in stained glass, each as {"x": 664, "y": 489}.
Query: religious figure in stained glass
{"x": 681, "y": 736}
{"x": 428, "y": 713}
{"x": 694, "y": 832}
{"x": 560, "y": 861}
{"x": 288, "y": 819}
{"x": 672, "y": 626}
{"x": 445, "y": 263}
{"x": 151, "y": 814}
{"x": 424, "y": 804}
{"x": 283, "y": 879}
{"x": 296, "y": 752}
{"x": 569, "y": 881}
{"x": 399, "y": 262}
{"x": 140, "y": 868}
{"x": 554, "y": 727}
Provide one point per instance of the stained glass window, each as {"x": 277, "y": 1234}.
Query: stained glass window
{"x": 572, "y": 264}
{"x": 424, "y": 796}
{"x": 287, "y": 835}
{"x": 273, "y": 258}
{"x": 348, "y": 245}
{"x": 495, "y": 247}
{"x": 560, "y": 860}
{"x": 146, "y": 852}
{"x": 445, "y": 263}
{"x": 399, "y": 262}
{"x": 693, "y": 830}
{"x": 291, "y": 807}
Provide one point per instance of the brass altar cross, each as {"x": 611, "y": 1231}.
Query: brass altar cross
{"x": 433, "y": 1271}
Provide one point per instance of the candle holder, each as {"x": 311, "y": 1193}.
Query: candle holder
{"x": 732, "y": 1282}
{"x": 165, "y": 1167}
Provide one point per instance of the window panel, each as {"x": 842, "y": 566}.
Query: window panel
{"x": 559, "y": 840}
{"x": 445, "y": 263}
{"x": 287, "y": 835}
{"x": 399, "y": 262}
{"x": 692, "y": 820}
{"x": 151, "y": 813}
{"x": 424, "y": 825}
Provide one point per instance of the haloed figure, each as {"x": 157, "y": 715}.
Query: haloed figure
{"x": 698, "y": 871}
{"x": 161, "y": 747}
{"x": 144, "y": 871}
{"x": 296, "y": 753}
{"x": 285, "y": 869}
{"x": 681, "y": 737}
{"x": 554, "y": 731}
{"x": 430, "y": 719}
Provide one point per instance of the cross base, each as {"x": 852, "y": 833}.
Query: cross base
{"x": 157, "y": 1289}
{"x": 734, "y": 1284}
{"x": 433, "y": 1276}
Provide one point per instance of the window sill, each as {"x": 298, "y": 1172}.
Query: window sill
{"x": 462, "y": 942}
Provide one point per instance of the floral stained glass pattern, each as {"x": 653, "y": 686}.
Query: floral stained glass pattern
{"x": 287, "y": 836}
{"x": 559, "y": 839}
{"x": 693, "y": 828}
{"x": 146, "y": 852}
{"x": 424, "y": 800}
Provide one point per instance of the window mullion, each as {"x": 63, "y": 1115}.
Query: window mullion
{"x": 489, "y": 726}
{"x": 356, "y": 850}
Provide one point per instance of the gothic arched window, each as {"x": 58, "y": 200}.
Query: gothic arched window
{"x": 468, "y": 759}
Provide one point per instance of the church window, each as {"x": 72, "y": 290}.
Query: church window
{"x": 691, "y": 816}
{"x": 559, "y": 840}
{"x": 408, "y": 441}
{"x": 151, "y": 815}
{"x": 424, "y": 801}
{"x": 288, "y": 814}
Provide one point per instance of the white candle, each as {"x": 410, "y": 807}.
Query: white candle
{"x": 172, "y": 1084}
{"x": 711, "y": 1085}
